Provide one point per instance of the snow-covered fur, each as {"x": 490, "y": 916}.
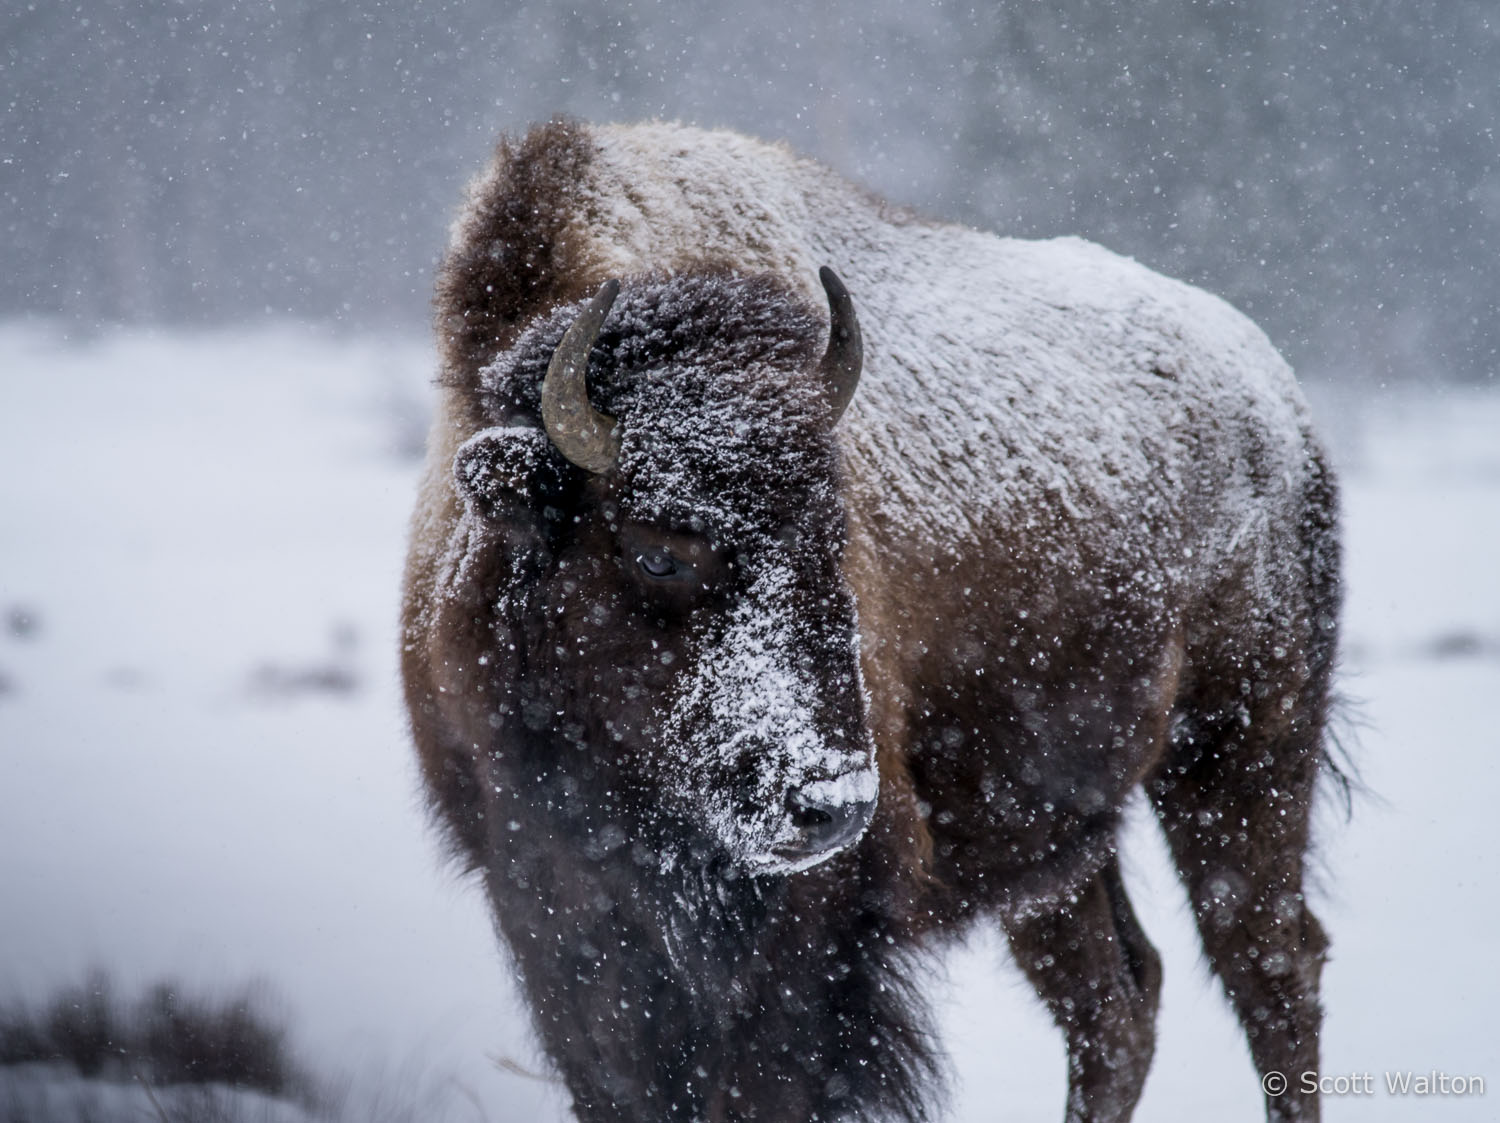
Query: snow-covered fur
{"x": 1074, "y": 536}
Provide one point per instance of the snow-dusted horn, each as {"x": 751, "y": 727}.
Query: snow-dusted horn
{"x": 580, "y": 432}
{"x": 841, "y": 362}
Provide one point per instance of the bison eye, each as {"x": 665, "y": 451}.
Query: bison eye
{"x": 657, "y": 563}
{"x": 673, "y": 569}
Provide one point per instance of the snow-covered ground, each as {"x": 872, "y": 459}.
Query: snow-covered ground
{"x": 204, "y": 773}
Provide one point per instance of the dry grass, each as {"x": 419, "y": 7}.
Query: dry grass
{"x": 170, "y": 1056}
{"x": 165, "y": 1039}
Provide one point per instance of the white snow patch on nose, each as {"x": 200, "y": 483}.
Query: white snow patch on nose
{"x": 859, "y": 786}
{"x": 746, "y": 698}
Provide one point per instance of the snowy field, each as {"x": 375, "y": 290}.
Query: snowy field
{"x": 204, "y": 773}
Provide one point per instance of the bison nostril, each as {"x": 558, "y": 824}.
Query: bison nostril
{"x": 807, "y": 815}
{"x": 824, "y": 824}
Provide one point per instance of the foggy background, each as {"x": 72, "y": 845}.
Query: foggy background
{"x": 1330, "y": 169}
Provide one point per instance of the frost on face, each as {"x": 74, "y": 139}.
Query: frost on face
{"x": 723, "y": 436}
{"x": 743, "y": 735}
{"x": 752, "y": 733}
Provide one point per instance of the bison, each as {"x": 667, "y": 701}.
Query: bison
{"x": 762, "y": 635}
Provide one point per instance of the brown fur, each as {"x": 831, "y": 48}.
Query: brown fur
{"x": 516, "y": 258}
{"x": 1018, "y": 691}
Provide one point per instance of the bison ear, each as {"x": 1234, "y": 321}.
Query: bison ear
{"x": 501, "y": 470}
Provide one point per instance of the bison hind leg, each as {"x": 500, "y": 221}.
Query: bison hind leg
{"x": 1100, "y": 978}
{"x": 1235, "y": 806}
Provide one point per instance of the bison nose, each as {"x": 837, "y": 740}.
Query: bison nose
{"x": 824, "y": 825}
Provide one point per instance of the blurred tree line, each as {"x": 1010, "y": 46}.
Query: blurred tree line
{"x": 1330, "y": 168}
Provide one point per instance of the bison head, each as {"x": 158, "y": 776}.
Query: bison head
{"x": 674, "y": 652}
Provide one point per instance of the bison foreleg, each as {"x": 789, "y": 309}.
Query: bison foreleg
{"x": 1100, "y": 978}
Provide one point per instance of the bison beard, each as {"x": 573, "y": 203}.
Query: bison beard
{"x": 1038, "y": 529}
{"x": 700, "y": 993}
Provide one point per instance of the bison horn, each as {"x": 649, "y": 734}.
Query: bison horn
{"x": 580, "y": 432}
{"x": 845, "y": 355}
